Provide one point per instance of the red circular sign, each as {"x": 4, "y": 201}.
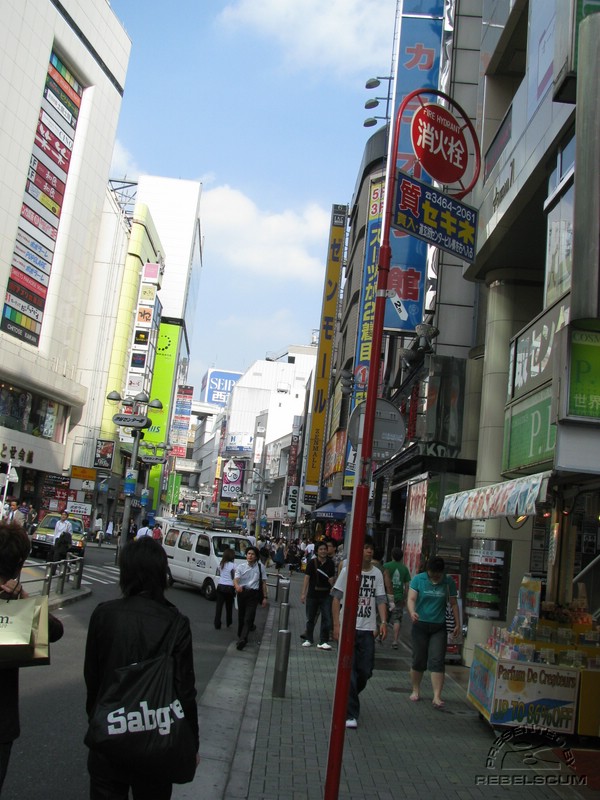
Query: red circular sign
{"x": 439, "y": 143}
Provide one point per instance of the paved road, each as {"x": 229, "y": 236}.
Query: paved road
{"x": 49, "y": 759}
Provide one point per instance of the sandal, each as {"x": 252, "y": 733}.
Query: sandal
{"x": 439, "y": 705}
{"x": 414, "y": 698}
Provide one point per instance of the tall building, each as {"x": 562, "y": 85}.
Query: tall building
{"x": 63, "y": 68}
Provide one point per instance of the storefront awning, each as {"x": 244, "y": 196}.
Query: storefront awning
{"x": 336, "y": 509}
{"x": 507, "y": 499}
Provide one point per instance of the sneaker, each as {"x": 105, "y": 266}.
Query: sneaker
{"x": 307, "y": 644}
{"x": 241, "y": 644}
{"x": 351, "y": 723}
{"x": 395, "y": 645}
{"x": 324, "y": 646}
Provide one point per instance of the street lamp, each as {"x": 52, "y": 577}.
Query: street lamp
{"x": 137, "y": 422}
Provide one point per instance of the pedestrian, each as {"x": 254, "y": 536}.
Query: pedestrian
{"x": 316, "y": 593}
{"x": 428, "y": 595}
{"x": 157, "y": 533}
{"x": 371, "y": 599}
{"x": 14, "y": 549}
{"x": 31, "y": 519}
{"x": 251, "y": 590}
{"x": 132, "y": 629}
{"x": 109, "y": 530}
{"x": 145, "y": 530}
{"x": 279, "y": 556}
{"x": 63, "y": 538}
{"x": 132, "y": 531}
{"x": 399, "y": 576}
{"x": 225, "y": 588}
{"x": 14, "y": 514}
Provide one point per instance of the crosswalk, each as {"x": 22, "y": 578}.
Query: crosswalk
{"x": 106, "y": 574}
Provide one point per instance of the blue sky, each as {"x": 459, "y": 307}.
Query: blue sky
{"x": 263, "y": 102}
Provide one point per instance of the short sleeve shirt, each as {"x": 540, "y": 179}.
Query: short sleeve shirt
{"x": 371, "y": 591}
{"x": 432, "y": 597}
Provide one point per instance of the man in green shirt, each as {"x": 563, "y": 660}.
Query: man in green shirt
{"x": 399, "y": 577}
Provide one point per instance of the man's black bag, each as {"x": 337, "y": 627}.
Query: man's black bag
{"x": 139, "y": 720}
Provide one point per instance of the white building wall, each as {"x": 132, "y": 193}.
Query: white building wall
{"x": 175, "y": 208}
{"x": 28, "y": 34}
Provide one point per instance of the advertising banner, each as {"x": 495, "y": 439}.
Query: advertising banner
{"x": 418, "y": 65}
{"x": 316, "y": 438}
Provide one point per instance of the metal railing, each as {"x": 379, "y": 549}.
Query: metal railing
{"x": 57, "y": 573}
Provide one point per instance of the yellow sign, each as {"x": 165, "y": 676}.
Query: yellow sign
{"x": 83, "y": 473}
{"x": 331, "y": 291}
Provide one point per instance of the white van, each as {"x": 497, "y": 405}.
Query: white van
{"x": 195, "y": 553}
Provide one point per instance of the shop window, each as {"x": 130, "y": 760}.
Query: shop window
{"x": 21, "y": 410}
{"x": 559, "y": 217}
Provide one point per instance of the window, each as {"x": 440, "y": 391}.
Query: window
{"x": 239, "y": 546}
{"x": 186, "y": 541}
{"x": 21, "y": 410}
{"x": 203, "y": 546}
{"x": 559, "y": 216}
{"x": 171, "y": 537}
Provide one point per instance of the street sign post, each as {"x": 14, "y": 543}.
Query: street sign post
{"x": 137, "y": 421}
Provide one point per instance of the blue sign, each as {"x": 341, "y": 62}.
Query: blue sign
{"x": 434, "y": 217}
{"x": 217, "y": 386}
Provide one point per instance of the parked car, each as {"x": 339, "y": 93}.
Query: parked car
{"x": 42, "y": 540}
{"x": 195, "y": 554}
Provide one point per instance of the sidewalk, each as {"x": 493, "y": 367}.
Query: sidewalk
{"x": 257, "y": 747}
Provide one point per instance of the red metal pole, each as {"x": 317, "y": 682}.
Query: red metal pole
{"x": 361, "y": 494}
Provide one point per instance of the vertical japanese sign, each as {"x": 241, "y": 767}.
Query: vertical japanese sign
{"x": 32, "y": 258}
{"x": 366, "y": 313}
{"x": 180, "y": 425}
{"x": 316, "y": 439}
{"x": 418, "y": 60}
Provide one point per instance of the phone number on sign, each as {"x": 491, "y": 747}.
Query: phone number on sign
{"x": 457, "y": 209}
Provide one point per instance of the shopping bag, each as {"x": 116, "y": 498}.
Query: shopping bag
{"x": 24, "y": 619}
{"x": 140, "y": 722}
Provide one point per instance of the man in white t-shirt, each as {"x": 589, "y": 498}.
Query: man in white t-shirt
{"x": 371, "y": 599}
{"x": 145, "y": 530}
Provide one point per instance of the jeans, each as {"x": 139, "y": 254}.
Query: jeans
{"x": 247, "y": 602}
{"x": 225, "y": 595}
{"x": 363, "y": 662}
{"x": 318, "y": 602}
{"x": 429, "y": 646}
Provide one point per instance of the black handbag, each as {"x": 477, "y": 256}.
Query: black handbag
{"x": 139, "y": 721}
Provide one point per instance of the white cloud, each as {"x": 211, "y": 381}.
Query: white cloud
{"x": 239, "y": 237}
{"x": 346, "y": 37}
{"x": 124, "y": 166}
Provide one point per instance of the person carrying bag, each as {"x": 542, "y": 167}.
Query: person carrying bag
{"x": 26, "y": 628}
{"x": 141, "y": 695}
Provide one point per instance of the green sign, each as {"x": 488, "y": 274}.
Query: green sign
{"x": 529, "y": 438}
{"x": 584, "y": 375}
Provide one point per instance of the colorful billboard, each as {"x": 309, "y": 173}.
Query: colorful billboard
{"x": 33, "y": 254}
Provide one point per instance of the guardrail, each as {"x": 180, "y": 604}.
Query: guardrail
{"x": 57, "y": 573}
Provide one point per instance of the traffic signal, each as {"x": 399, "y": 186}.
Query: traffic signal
{"x": 347, "y": 381}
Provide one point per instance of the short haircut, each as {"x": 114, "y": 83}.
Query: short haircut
{"x": 397, "y": 554}
{"x": 436, "y": 564}
{"x": 14, "y": 549}
{"x": 369, "y": 542}
{"x": 254, "y": 550}
{"x": 144, "y": 568}
{"x": 322, "y": 543}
